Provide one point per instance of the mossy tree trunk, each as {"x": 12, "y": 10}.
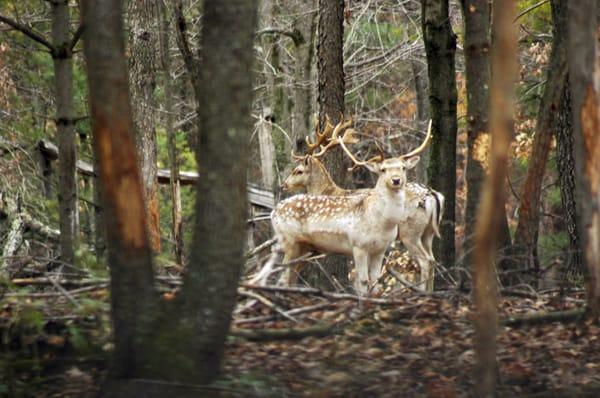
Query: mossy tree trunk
{"x": 440, "y": 47}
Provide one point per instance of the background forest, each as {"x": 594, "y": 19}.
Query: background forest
{"x": 144, "y": 143}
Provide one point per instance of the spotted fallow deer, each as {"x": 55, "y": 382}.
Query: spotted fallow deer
{"x": 361, "y": 225}
{"x": 423, "y": 206}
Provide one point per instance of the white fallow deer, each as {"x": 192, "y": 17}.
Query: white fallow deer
{"x": 360, "y": 225}
{"x": 423, "y": 207}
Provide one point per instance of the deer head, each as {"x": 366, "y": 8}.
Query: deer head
{"x": 310, "y": 172}
{"x": 392, "y": 172}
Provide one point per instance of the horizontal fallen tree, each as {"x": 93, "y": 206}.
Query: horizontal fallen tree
{"x": 256, "y": 195}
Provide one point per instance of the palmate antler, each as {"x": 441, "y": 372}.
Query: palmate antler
{"x": 328, "y": 138}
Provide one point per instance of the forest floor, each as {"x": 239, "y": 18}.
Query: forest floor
{"x": 303, "y": 342}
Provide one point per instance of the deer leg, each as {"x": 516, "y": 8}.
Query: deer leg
{"x": 427, "y": 242}
{"x": 375, "y": 267}
{"x": 361, "y": 261}
{"x": 418, "y": 252}
{"x": 290, "y": 274}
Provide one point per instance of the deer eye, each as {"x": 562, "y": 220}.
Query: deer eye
{"x": 382, "y": 169}
{"x": 298, "y": 172}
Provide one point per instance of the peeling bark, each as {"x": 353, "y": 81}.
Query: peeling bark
{"x": 133, "y": 300}
{"x": 584, "y": 75}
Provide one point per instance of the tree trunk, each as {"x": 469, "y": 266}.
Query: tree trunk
{"x": 440, "y": 46}
{"x": 267, "y": 149}
{"x": 487, "y": 231}
{"x": 303, "y": 65}
{"x": 133, "y": 300}
{"x": 142, "y": 71}
{"x": 330, "y": 97}
{"x": 176, "y": 213}
{"x": 99, "y": 222}
{"x": 65, "y": 126}
{"x": 210, "y": 286}
{"x": 421, "y": 86}
{"x": 529, "y": 207}
{"x": 583, "y": 59}
{"x": 476, "y": 16}
{"x": 14, "y": 237}
{"x": 565, "y": 165}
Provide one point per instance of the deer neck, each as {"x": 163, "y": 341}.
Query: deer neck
{"x": 390, "y": 202}
{"x": 321, "y": 183}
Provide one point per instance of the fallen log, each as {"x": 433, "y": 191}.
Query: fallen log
{"x": 538, "y": 318}
{"x": 256, "y": 195}
{"x": 284, "y": 334}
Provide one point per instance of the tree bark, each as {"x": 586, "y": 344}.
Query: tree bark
{"x": 583, "y": 63}
{"x": 65, "y": 125}
{"x": 133, "y": 301}
{"x": 175, "y": 185}
{"x": 476, "y": 16}
{"x": 330, "y": 97}
{"x": 421, "y": 86}
{"x": 529, "y": 207}
{"x": 303, "y": 66}
{"x": 267, "y": 149}
{"x": 440, "y": 47}
{"x": 487, "y": 231}
{"x": 209, "y": 290}
{"x": 565, "y": 165}
{"x": 143, "y": 15}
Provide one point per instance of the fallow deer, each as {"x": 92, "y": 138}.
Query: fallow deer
{"x": 361, "y": 225}
{"x": 424, "y": 208}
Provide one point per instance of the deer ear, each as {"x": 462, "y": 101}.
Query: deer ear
{"x": 411, "y": 162}
{"x": 373, "y": 167}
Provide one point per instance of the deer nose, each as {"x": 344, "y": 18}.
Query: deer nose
{"x": 284, "y": 186}
{"x": 395, "y": 181}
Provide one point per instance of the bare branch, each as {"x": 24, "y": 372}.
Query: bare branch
{"x": 29, "y": 32}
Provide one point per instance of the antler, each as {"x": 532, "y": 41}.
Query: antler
{"x": 320, "y": 137}
{"x": 356, "y": 162}
{"x": 348, "y": 136}
{"x": 421, "y": 147}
